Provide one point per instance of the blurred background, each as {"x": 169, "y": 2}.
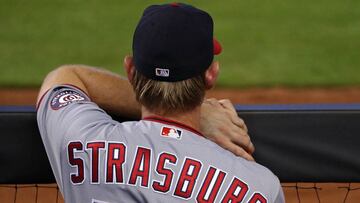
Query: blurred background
{"x": 266, "y": 43}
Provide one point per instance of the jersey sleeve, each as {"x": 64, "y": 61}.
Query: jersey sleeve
{"x": 280, "y": 196}
{"x": 66, "y": 113}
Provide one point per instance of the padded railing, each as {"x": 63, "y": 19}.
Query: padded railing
{"x": 299, "y": 143}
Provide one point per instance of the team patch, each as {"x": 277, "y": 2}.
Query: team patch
{"x": 66, "y": 97}
{"x": 171, "y": 132}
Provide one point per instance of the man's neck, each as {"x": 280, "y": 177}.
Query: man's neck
{"x": 190, "y": 118}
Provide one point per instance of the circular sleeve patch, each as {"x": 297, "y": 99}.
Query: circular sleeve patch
{"x": 66, "y": 97}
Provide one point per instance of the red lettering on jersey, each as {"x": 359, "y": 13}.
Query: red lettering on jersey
{"x": 160, "y": 169}
{"x": 95, "y": 148}
{"x": 187, "y": 179}
{"x": 76, "y": 178}
{"x": 141, "y": 167}
{"x": 258, "y": 198}
{"x": 214, "y": 188}
{"x": 236, "y": 191}
{"x": 115, "y": 158}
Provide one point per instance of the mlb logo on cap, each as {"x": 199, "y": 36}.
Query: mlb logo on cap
{"x": 162, "y": 72}
{"x": 171, "y": 132}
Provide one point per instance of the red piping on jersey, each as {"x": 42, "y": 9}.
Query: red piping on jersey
{"x": 78, "y": 89}
{"x": 172, "y": 122}
{"x": 42, "y": 96}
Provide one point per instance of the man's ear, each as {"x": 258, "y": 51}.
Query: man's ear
{"x": 211, "y": 74}
{"x": 129, "y": 67}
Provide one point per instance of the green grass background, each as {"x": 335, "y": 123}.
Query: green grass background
{"x": 266, "y": 43}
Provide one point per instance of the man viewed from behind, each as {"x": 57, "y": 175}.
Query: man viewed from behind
{"x": 164, "y": 157}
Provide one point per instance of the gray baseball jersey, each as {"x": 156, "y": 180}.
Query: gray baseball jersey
{"x": 97, "y": 159}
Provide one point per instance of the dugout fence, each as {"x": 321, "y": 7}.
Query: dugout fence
{"x": 313, "y": 149}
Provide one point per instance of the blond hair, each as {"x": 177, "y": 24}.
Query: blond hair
{"x": 169, "y": 97}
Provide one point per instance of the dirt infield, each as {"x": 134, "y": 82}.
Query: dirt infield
{"x": 240, "y": 96}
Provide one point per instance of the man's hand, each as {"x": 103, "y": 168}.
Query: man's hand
{"x": 221, "y": 124}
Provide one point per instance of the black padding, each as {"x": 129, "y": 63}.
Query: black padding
{"x": 302, "y": 145}
{"x": 307, "y": 146}
{"x": 22, "y": 154}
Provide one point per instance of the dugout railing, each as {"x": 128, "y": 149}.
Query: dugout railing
{"x": 299, "y": 143}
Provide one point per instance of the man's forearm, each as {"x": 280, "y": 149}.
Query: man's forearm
{"x": 110, "y": 91}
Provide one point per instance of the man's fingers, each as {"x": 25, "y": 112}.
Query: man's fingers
{"x": 227, "y": 104}
{"x": 238, "y": 151}
{"x": 234, "y": 148}
{"x": 213, "y": 102}
{"x": 239, "y": 122}
{"x": 233, "y": 114}
{"x": 242, "y": 139}
{"x": 246, "y": 145}
{"x": 251, "y": 148}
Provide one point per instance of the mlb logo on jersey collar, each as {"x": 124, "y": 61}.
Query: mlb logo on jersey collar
{"x": 171, "y": 132}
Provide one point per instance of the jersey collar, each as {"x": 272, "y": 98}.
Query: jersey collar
{"x": 167, "y": 121}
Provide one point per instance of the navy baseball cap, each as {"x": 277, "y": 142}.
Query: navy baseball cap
{"x": 174, "y": 42}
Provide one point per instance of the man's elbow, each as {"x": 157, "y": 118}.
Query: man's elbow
{"x": 64, "y": 69}
{"x": 62, "y": 75}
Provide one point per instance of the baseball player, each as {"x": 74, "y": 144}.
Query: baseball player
{"x": 164, "y": 157}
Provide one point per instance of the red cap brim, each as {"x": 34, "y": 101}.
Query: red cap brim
{"x": 217, "y": 47}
